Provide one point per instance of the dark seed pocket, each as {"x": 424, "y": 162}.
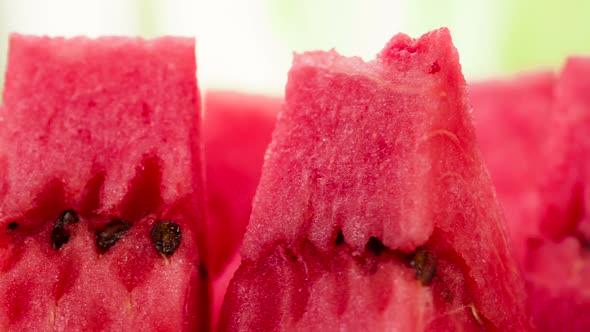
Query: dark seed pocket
{"x": 111, "y": 233}
{"x": 166, "y": 236}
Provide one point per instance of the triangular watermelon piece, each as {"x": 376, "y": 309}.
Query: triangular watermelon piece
{"x": 513, "y": 127}
{"x": 237, "y": 131}
{"x": 101, "y": 194}
{"x": 374, "y": 211}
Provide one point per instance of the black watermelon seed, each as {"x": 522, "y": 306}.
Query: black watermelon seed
{"x": 424, "y": 261}
{"x": 59, "y": 237}
{"x": 67, "y": 217}
{"x": 375, "y": 245}
{"x": 166, "y": 236}
{"x": 110, "y": 233}
{"x": 12, "y": 226}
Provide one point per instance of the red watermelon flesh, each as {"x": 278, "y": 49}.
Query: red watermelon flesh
{"x": 219, "y": 287}
{"x": 374, "y": 210}
{"x": 513, "y": 131}
{"x": 101, "y": 199}
{"x": 557, "y": 264}
{"x": 237, "y": 131}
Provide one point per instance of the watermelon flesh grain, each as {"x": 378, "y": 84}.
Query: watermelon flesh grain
{"x": 109, "y": 129}
{"x": 374, "y": 210}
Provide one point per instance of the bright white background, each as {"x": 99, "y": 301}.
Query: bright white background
{"x": 245, "y": 44}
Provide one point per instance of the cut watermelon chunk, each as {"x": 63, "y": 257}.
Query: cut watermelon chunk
{"x": 557, "y": 264}
{"x": 237, "y": 131}
{"x": 101, "y": 199}
{"x": 512, "y": 123}
{"x": 374, "y": 211}
{"x": 539, "y": 124}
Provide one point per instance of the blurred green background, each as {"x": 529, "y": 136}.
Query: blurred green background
{"x": 247, "y": 45}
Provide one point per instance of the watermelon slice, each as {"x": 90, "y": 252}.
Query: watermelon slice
{"x": 374, "y": 211}
{"x": 237, "y": 131}
{"x": 101, "y": 195}
{"x": 512, "y": 123}
{"x": 557, "y": 264}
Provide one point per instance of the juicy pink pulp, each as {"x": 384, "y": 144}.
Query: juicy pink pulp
{"x": 237, "y": 130}
{"x": 558, "y": 262}
{"x": 374, "y": 210}
{"x": 562, "y": 283}
{"x": 511, "y": 122}
{"x": 533, "y": 134}
{"x": 108, "y": 128}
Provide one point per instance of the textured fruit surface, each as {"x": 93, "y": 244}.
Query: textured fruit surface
{"x": 99, "y": 143}
{"x": 374, "y": 210}
{"x": 512, "y": 120}
{"x": 219, "y": 287}
{"x": 237, "y": 131}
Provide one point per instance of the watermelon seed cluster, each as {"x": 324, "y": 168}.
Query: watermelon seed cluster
{"x": 166, "y": 235}
{"x": 422, "y": 259}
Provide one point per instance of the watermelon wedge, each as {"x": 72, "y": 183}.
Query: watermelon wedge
{"x": 101, "y": 194}
{"x": 374, "y": 211}
{"x": 512, "y": 123}
{"x": 237, "y": 131}
{"x": 539, "y": 123}
{"x": 557, "y": 264}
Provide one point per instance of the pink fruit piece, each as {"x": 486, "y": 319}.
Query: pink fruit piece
{"x": 237, "y": 131}
{"x": 511, "y": 122}
{"x": 99, "y": 145}
{"x": 374, "y": 210}
{"x": 219, "y": 287}
{"x": 557, "y": 265}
